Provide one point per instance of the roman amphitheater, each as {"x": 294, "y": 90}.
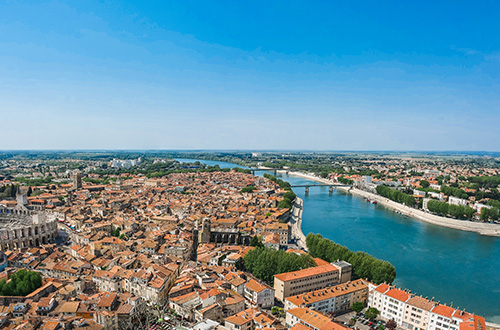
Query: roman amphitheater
{"x": 21, "y": 228}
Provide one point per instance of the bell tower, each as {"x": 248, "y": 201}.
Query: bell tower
{"x": 204, "y": 235}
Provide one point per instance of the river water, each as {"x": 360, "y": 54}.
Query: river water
{"x": 458, "y": 267}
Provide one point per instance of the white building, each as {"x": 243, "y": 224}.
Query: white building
{"x": 259, "y": 294}
{"x": 457, "y": 201}
{"x": 416, "y": 313}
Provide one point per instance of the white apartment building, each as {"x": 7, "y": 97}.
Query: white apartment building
{"x": 416, "y": 313}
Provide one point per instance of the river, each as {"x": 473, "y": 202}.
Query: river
{"x": 453, "y": 266}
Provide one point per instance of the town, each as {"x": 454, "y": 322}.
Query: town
{"x": 182, "y": 246}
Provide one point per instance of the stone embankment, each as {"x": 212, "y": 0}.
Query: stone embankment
{"x": 487, "y": 229}
{"x": 296, "y": 223}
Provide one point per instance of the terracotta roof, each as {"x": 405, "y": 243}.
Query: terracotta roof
{"x": 398, "y": 294}
{"x": 315, "y": 319}
{"x": 308, "y": 272}
{"x": 255, "y": 286}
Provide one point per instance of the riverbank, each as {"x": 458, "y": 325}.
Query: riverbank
{"x": 487, "y": 229}
{"x": 296, "y": 222}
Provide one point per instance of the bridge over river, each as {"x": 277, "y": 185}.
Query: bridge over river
{"x": 320, "y": 185}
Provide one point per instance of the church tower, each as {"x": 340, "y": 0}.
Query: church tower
{"x": 77, "y": 179}
{"x": 204, "y": 235}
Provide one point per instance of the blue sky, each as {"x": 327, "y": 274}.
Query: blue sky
{"x": 320, "y": 75}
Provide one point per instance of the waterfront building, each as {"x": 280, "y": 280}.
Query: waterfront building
{"x": 305, "y": 280}
{"x": 413, "y": 312}
{"x": 334, "y": 299}
{"x": 417, "y": 312}
{"x": 389, "y": 301}
{"x": 457, "y": 201}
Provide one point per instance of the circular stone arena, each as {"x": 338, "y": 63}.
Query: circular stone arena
{"x": 25, "y": 228}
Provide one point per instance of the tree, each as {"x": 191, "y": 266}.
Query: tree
{"x": 372, "y": 313}
{"x": 256, "y": 241}
{"x": 469, "y": 212}
{"x": 116, "y": 232}
{"x": 21, "y": 283}
{"x": 424, "y": 183}
{"x": 391, "y": 324}
{"x": 290, "y": 195}
{"x": 248, "y": 189}
{"x": 363, "y": 264}
{"x": 285, "y": 204}
{"x": 358, "y": 306}
{"x": 264, "y": 263}
{"x": 276, "y": 310}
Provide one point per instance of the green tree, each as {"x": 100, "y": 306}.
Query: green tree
{"x": 363, "y": 264}
{"x": 248, "y": 189}
{"x": 290, "y": 195}
{"x": 264, "y": 263}
{"x": 358, "y": 306}
{"x": 469, "y": 212}
{"x": 285, "y": 204}
{"x": 424, "y": 183}
{"x": 372, "y": 313}
{"x": 256, "y": 241}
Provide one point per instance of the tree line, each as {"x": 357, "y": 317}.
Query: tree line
{"x": 396, "y": 195}
{"x": 21, "y": 283}
{"x": 287, "y": 201}
{"x": 265, "y": 262}
{"x": 489, "y": 214}
{"x": 363, "y": 265}
{"x": 282, "y": 184}
{"x": 453, "y": 191}
{"x": 457, "y": 211}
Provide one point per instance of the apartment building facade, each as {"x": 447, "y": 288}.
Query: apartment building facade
{"x": 414, "y": 312}
{"x": 305, "y": 280}
{"x": 334, "y": 299}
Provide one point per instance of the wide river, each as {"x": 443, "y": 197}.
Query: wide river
{"x": 458, "y": 267}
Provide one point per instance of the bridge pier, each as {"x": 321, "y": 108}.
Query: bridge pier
{"x": 307, "y": 190}
{"x": 330, "y": 190}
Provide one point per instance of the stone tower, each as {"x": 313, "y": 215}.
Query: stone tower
{"x": 21, "y": 197}
{"x": 77, "y": 179}
{"x": 204, "y": 235}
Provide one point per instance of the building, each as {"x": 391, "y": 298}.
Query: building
{"x": 221, "y": 235}
{"x": 390, "y": 302}
{"x": 313, "y": 319}
{"x": 77, "y": 179}
{"x": 259, "y": 294}
{"x": 345, "y": 270}
{"x": 20, "y": 228}
{"x": 417, "y": 313}
{"x": 282, "y": 229}
{"x": 335, "y": 299}
{"x": 305, "y": 280}
{"x": 413, "y": 312}
{"x": 457, "y": 201}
